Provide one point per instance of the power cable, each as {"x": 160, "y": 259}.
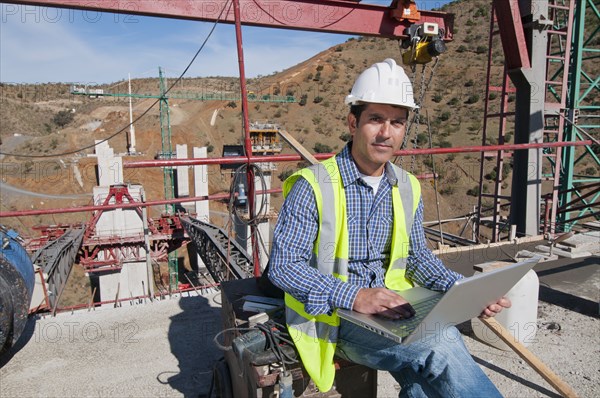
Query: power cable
{"x": 238, "y": 179}
{"x": 143, "y": 113}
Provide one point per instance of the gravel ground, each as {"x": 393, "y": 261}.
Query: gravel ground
{"x": 165, "y": 349}
{"x": 566, "y": 342}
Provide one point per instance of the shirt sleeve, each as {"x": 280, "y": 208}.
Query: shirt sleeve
{"x": 291, "y": 251}
{"x": 423, "y": 267}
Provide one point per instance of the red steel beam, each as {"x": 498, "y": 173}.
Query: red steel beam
{"x": 84, "y": 209}
{"x": 323, "y": 156}
{"x": 512, "y": 34}
{"x": 259, "y": 159}
{"x": 333, "y": 16}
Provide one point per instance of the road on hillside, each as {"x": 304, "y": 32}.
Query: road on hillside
{"x": 4, "y": 188}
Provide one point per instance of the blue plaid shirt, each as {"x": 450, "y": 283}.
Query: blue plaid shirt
{"x": 370, "y": 221}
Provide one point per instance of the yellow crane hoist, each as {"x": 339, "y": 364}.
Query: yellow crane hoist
{"x": 423, "y": 44}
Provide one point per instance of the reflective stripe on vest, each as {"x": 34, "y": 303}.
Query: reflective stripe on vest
{"x": 315, "y": 336}
{"x": 405, "y": 200}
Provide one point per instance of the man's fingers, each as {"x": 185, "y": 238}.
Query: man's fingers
{"x": 504, "y": 302}
{"x": 404, "y": 311}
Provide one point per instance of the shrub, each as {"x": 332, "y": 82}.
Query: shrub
{"x": 285, "y": 174}
{"x": 437, "y": 98}
{"x": 481, "y": 49}
{"x": 318, "y": 99}
{"x": 473, "y": 191}
{"x": 444, "y": 116}
{"x": 210, "y": 148}
{"x": 461, "y": 49}
{"x": 322, "y": 148}
{"x": 590, "y": 171}
{"x": 303, "y": 100}
{"x": 493, "y": 96}
{"x": 453, "y": 101}
{"x": 62, "y": 118}
{"x": 449, "y": 190}
{"x": 422, "y": 139}
{"x": 472, "y": 99}
{"x": 345, "y": 137}
{"x": 491, "y": 175}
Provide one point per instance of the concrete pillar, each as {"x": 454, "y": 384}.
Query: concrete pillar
{"x": 110, "y": 167}
{"x": 131, "y": 281}
{"x": 201, "y": 184}
{"x": 183, "y": 179}
{"x": 201, "y": 189}
{"x": 529, "y": 122}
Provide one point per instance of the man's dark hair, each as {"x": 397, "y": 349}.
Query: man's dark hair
{"x": 357, "y": 110}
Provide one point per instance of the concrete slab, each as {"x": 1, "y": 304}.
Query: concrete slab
{"x": 166, "y": 349}
{"x": 163, "y": 348}
{"x": 588, "y": 241}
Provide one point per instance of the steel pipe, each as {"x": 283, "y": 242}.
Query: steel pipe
{"x": 323, "y": 156}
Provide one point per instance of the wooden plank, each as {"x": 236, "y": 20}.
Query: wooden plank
{"x": 528, "y": 357}
{"x": 306, "y": 155}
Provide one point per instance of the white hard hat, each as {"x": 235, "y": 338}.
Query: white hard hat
{"x": 383, "y": 83}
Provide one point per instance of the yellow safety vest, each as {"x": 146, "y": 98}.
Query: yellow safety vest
{"x": 315, "y": 336}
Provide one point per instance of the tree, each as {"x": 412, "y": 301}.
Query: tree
{"x": 303, "y": 100}
{"x": 62, "y": 118}
{"x": 422, "y": 139}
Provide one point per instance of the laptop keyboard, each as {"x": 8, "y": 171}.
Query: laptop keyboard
{"x": 422, "y": 308}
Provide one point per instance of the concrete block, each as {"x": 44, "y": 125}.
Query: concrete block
{"x": 563, "y": 253}
{"x": 588, "y": 241}
{"x": 525, "y": 254}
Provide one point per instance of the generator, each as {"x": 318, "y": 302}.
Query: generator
{"x": 250, "y": 321}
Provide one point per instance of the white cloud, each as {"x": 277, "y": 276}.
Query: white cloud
{"x": 43, "y": 47}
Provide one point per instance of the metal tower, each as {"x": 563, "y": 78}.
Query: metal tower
{"x": 580, "y": 177}
{"x": 168, "y": 171}
{"x": 565, "y": 109}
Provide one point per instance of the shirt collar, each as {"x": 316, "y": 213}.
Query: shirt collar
{"x": 349, "y": 171}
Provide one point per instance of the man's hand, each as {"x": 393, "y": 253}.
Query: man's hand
{"x": 382, "y": 301}
{"x": 495, "y": 308}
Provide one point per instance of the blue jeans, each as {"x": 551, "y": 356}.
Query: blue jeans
{"x": 436, "y": 366}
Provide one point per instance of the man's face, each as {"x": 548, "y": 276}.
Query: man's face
{"x": 376, "y": 136}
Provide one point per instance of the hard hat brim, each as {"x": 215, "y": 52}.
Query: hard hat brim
{"x": 352, "y": 100}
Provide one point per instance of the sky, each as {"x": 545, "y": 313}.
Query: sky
{"x": 44, "y": 44}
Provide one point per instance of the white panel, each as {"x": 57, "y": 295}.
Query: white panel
{"x": 201, "y": 185}
{"x": 183, "y": 183}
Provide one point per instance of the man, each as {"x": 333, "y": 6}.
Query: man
{"x": 349, "y": 231}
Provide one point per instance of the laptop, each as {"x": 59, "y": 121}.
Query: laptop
{"x": 466, "y": 299}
